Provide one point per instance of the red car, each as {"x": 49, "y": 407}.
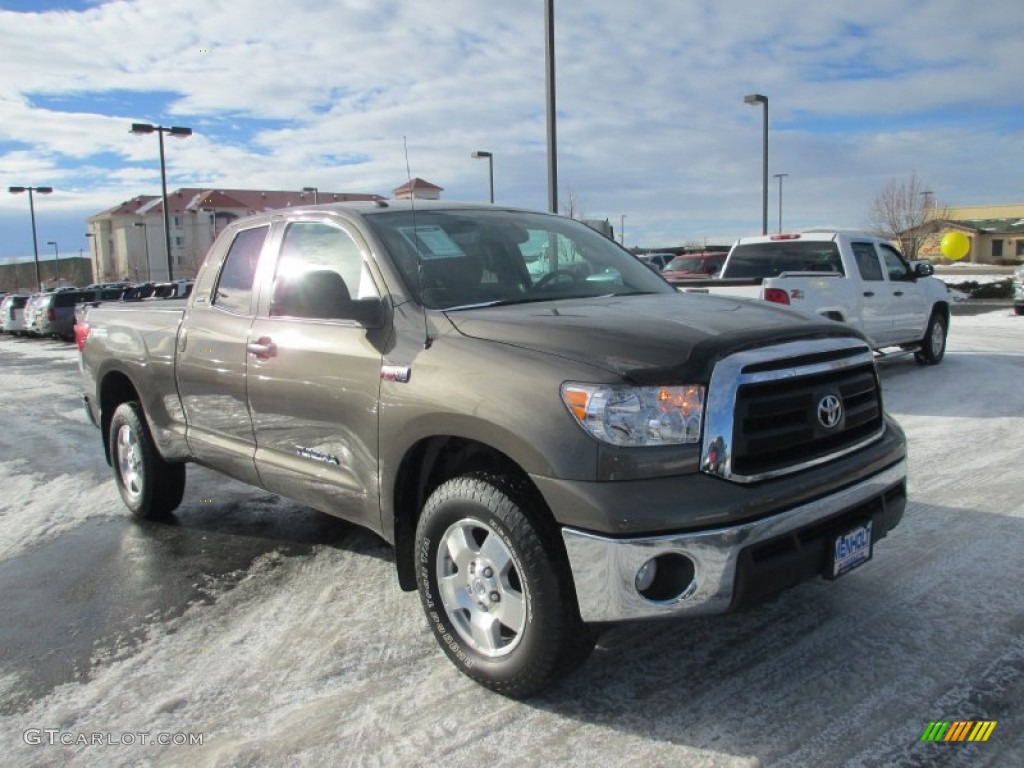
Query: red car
{"x": 691, "y": 265}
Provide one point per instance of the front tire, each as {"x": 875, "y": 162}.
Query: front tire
{"x": 495, "y": 587}
{"x": 149, "y": 486}
{"x": 933, "y": 345}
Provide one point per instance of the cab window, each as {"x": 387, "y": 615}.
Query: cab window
{"x": 867, "y": 261}
{"x": 320, "y": 271}
{"x": 894, "y": 263}
{"x": 234, "y": 289}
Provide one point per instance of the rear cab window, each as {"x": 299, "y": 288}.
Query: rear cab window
{"x": 771, "y": 259}
{"x": 234, "y": 290}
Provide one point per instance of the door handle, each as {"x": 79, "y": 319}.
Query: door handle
{"x": 263, "y": 348}
{"x": 898, "y": 293}
{"x": 869, "y": 293}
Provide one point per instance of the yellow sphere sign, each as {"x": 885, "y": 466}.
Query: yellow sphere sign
{"x": 955, "y": 245}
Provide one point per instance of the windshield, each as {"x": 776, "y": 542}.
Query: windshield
{"x": 465, "y": 258}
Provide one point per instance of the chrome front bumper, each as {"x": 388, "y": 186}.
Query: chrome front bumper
{"x": 604, "y": 569}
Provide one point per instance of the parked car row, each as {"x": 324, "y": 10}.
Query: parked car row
{"x": 51, "y": 314}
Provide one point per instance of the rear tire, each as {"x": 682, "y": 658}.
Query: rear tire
{"x": 495, "y": 586}
{"x": 149, "y": 486}
{"x": 933, "y": 345}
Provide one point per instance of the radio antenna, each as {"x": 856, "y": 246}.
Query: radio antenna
{"x": 427, "y": 341}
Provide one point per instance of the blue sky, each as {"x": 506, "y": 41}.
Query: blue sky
{"x": 652, "y": 128}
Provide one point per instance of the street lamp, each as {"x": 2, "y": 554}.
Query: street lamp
{"x": 56, "y": 259}
{"x": 160, "y": 130}
{"x": 480, "y": 155}
{"x": 316, "y": 193}
{"x": 145, "y": 237}
{"x": 32, "y": 213}
{"x": 752, "y": 99}
{"x": 622, "y": 230}
{"x": 780, "y": 177}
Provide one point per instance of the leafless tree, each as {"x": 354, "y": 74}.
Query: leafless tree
{"x": 902, "y": 212}
{"x": 571, "y": 205}
{"x": 190, "y": 262}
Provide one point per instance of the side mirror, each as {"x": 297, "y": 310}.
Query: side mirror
{"x": 369, "y": 313}
{"x": 923, "y": 269}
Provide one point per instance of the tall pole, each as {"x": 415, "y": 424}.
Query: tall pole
{"x": 145, "y": 239}
{"x": 764, "y": 172}
{"x": 56, "y": 259}
{"x": 167, "y": 215}
{"x": 549, "y": 59}
{"x": 480, "y": 154}
{"x": 490, "y": 174}
{"x": 35, "y": 240}
{"x": 780, "y": 177}
{"x": 757, "y": 98}
{"x": 32, "y": 213}
{"x": 94, "y": 266}
{"x": 622, "y": 230}
{"x": 160, "y": 130}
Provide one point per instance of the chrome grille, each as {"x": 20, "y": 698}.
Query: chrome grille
{"x": 770, "y": 410}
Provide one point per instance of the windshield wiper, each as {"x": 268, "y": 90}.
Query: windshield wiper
{"x": 503, "y": 303}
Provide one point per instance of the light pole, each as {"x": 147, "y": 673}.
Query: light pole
{"x": 316, "y": 194}
{"x": 752, "y": 99}
{"x": 480, "y": 155}
{"x": 145, "y": 237}
{"x": 56, "y": 259}
{"x": 160, "y": 131}
{"x": 549, "y": 67}
{"x": 780, "y": 177}
{"x": 94, "y": 258}
{"x": 622, "y": 230}
{"x": 32, "y": 213}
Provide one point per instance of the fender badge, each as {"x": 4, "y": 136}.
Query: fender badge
{"x": 399, "y": 373}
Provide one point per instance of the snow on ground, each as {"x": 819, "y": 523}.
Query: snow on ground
{"x": 320, "y": 659}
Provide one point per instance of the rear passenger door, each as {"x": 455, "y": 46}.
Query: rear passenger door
{"x": 212, "y": 359}
{"x": 314, "y": 376}
{"x": 876, "y": 295}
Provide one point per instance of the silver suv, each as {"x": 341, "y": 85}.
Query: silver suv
{"x": 12, "y": 313}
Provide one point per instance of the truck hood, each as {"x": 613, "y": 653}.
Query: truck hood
{"x": 658, "y": 338}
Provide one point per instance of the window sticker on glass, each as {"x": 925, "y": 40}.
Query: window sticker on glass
{"x": 431, "y": 242}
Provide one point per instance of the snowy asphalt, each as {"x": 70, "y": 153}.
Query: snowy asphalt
{"x": 278, "y": 636}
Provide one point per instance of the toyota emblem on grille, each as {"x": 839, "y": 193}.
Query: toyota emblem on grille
{"x": 830, "y": 411}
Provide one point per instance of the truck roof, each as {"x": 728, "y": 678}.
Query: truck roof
{"x": 816, "y": 235}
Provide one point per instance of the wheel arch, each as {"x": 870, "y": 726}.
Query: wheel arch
{"x": 941, "y": 308}
{"x": 432, "y": 461}
{"x": 116, "y": 388}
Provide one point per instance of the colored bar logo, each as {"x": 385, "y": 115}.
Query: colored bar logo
{"x": 959, "y": 730}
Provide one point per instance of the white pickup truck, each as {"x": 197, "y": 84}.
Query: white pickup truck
{"x": 850, "y": 277}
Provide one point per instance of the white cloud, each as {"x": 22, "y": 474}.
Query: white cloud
{"x": 651, "y": 120}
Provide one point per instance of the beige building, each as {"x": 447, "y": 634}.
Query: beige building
{"x": 127, "y": 241}
{"x": 996, "y": 233}
{"x": 418, "y": 189}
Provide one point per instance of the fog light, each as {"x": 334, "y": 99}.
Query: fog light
{"x": 667, "y": 577}
{"x": 645, "y": 576}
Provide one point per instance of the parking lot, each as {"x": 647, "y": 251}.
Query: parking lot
{"x": 276, "y": 635}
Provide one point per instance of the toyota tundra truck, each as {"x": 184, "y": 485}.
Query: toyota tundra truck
{"x": 551, "y": 436}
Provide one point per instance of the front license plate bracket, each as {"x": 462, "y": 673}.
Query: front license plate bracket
{"x": 850, "y": 549}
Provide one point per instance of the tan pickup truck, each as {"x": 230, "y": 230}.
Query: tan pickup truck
{"x": 551, "y": 436}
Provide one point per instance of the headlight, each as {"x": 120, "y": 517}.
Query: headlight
{"x": 637, "y": 416}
